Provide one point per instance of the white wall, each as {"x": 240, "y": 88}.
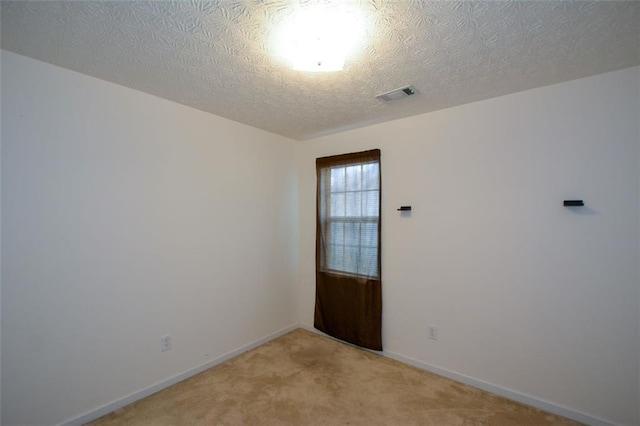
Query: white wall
{"x": 528, "y": 295}
{"x": 638, "y": 121}
{"x": 125, "y": 217}
{"x": 0, "y": 240}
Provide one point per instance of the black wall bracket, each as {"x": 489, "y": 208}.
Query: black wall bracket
{"x": 404, "y": 209}
{"x": 573, "y": 203}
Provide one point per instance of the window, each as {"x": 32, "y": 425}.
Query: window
{"x": 349, "y": 201}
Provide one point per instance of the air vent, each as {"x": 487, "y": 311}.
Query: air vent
{"x": 394, "y": 95}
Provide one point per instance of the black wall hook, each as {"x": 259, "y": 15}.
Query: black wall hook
{"x": 404, "y": 209}
{"x": 573, "y": 203}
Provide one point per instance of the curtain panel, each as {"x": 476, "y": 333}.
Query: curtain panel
{"x": 348, "y": 302}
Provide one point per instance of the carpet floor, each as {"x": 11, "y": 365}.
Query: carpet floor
{"x": 302, "y": 378}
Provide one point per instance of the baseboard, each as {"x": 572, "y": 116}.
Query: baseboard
{"x": 135, "y": 396}
{"x": 547, "y": 406}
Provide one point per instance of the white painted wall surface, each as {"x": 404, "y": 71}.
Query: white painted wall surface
{"x": 0, "y": 239}
{"x": 528, "y": 295}
{"x": 126, "y": 217}
{"x": 638, "y": 136}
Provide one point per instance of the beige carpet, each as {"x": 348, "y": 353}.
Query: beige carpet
{"x": 306, "y": 379}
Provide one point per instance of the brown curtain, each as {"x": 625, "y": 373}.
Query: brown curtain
{"x": 348, "y": 265}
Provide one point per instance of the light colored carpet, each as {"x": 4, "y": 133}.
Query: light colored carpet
{"x": 305, "y": 379}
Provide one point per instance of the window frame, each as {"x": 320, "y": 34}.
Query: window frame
{"x": 326, "y": 220}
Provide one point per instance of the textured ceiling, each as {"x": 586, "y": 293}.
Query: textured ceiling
{"x": 220, "y": 57}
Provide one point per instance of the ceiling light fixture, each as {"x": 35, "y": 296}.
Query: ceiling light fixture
{"x": 319, "y": 36}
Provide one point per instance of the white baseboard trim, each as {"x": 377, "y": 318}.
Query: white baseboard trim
{"x": 489, "y": 387}
{"x": 138, "y": 395}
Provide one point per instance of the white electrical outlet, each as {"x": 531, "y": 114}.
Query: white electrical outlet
{"x": 165, "y": 342}
{"x": 432, "y": 332}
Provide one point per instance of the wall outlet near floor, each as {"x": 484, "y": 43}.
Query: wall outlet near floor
{"x": 432, "y": 332}
{"x": 165, "y": 343}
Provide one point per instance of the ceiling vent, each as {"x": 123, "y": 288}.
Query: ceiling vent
{"x": 394, "y": 95}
